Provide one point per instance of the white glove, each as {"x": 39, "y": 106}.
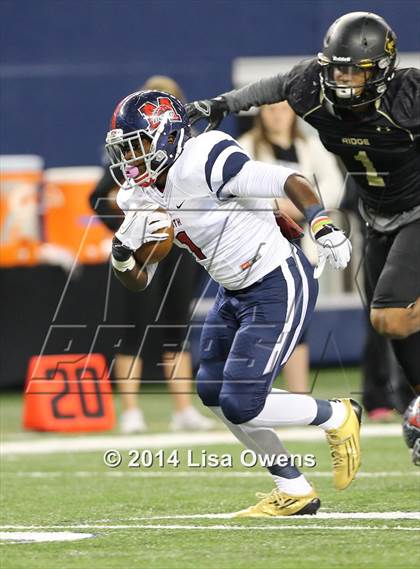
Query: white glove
{"x": 140, "y": 227}
{"x": 332, "y": 243}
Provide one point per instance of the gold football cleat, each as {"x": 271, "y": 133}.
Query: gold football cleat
{"x": 345, "y": 445}
{"x": 278, "y": 503}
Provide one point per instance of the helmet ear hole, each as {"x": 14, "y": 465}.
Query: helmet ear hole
{"x": 160, "y": 156}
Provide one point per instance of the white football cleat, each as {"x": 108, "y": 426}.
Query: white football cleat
{"x": 132, "y": 421}
{"x": 190, "y": 419}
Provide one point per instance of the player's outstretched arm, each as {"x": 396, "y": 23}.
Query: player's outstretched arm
{"x": 300, "y": 192}
{"x": 263, "y": 92}
{"x": 261, "y": 180}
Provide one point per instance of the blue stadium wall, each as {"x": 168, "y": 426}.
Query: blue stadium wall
{"x": 65, "y": 63}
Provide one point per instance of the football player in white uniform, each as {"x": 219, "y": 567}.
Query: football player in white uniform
{"x": 218, "y": 201}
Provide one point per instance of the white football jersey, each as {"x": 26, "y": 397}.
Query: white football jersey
{"x": 236, "y": 239}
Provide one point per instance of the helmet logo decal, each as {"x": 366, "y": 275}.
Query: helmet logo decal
{"x": 154, "y": 113}
{"x": 390, "y": 45}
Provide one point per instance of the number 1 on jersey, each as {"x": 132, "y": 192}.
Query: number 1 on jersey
{"x": 372, "y": 175}
{"x": 183, "y": 238}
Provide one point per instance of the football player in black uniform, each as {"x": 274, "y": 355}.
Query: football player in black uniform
{"x": 367, "y": 112}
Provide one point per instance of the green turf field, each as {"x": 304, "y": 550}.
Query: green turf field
{"x": 144, "y": 517}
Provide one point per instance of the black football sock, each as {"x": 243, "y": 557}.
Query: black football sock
{"x": 407, "y": 352}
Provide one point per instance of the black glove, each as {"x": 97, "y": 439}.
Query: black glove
{"x": 119, "y": 251}
{"x": 213, "y": 110}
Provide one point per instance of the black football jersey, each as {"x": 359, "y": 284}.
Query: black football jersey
{"x": 380, "y": 148}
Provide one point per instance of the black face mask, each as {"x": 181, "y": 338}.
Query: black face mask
{"x": 351, "y": 86}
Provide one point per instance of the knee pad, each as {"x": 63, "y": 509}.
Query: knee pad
{"x": 238, "y": 408}
{"x": 208, "y": 388}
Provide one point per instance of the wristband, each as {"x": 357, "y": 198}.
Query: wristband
{"x": 123, "y": 266}
{"x": 313, "y": 211}
{"x": 319, "y": 222}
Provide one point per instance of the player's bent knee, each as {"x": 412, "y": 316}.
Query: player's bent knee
{"x": 391, "y": 322}
{"x": 236, "y": 410}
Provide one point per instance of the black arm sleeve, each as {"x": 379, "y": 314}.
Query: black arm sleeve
{"x": 100, "y": 201}
{"x": 299, "y": 86}
{"x": 263, "y": 92}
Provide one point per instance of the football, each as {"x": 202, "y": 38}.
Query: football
{"x": 155, "y": 251}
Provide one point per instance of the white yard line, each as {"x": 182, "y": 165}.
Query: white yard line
{"x": 31, "y": 533}
{"x": 38, "y": 536}
{"x": 199, "y": 473}
{"x": 85, "y": 443}
{"x": 108, "y": 524}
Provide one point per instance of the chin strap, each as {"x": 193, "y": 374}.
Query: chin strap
{"x": 180, "y": 145}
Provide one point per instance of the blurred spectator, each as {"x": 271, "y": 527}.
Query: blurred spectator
{"x": 276, "y": 138}
{"x": 164, "y": 305}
